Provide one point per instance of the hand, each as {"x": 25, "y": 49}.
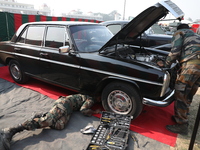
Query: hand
{"x": 160, "y": 63}
{"x": 89, "y": 112}
{"x": 97, "y": 111}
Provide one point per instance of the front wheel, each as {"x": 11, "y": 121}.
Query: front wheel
{"x": 121, "y": 98}
{"x": 16, "y": 72}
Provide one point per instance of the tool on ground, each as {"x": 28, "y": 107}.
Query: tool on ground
{"x": 135, "y": 139}
{"x": 89, "y": 129}
{"x": 145, "y": 144}
{"x": 112, "y": 133}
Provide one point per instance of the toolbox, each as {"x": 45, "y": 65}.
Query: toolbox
{"x": 112, "y": 133}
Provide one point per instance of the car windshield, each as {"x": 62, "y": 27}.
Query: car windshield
{"x": 90, "y": 38}
{"x": 155, "y": 29}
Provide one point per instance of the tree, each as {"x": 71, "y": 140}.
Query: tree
{"x": 110, "y": 16}
{"x": 190, "y": 19}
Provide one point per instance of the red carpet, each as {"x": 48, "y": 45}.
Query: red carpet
{"x": 151, "y": 122}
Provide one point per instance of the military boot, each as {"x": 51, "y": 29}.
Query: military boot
{"x": 178, "y": 128}
{"x": 7, "y": 134}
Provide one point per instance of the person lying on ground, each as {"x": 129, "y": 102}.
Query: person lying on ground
{"x": 56, "y": 118}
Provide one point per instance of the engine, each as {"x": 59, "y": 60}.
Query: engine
{"x": 140, "y": 55}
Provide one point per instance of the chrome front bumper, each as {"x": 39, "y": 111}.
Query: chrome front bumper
{"x": 163, "y": 103}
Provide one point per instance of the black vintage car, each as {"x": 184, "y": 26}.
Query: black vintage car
{"x": 87, "y": 58}
{"x": 152, "y": 37}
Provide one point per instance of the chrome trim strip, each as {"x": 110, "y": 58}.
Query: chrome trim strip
{"x": 5, "y": 52}
{"x": 121, "y": 76}
{"x": 27, "y": 56}
{"x": 88, "y": 69}
{"x": 60, "y": 63}
{"x": 158, "y": 103}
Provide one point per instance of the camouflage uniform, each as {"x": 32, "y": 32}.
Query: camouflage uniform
{"x": 198, "y": 30}
{"x": 62, "y": 109}
{"x": 185, "y": 49}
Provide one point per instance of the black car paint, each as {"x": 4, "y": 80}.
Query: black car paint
{"x": 90, "y": 72}
{"x": 85, "y": 66}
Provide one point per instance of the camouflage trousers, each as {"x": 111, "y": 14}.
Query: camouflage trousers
{"x": 186, "y": 86}
{"x": 56, "y": 118}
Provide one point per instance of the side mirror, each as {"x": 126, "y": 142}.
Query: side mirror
{"x": 64, "y": 49}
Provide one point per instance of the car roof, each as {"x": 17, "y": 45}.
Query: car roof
{"x": 115, "y": 22}
{"x": 65, "y": 23}
{"x": 60, "y": 23}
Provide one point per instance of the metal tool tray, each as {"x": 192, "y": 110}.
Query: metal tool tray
{"x": 112, "y": 133}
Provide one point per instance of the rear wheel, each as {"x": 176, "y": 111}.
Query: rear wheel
{"x": 16, "y": 72}
{"x": 122, "y": 98}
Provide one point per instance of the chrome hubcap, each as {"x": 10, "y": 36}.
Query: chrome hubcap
{"x": 119, "y": 102}
{"x": 15, "y": 72}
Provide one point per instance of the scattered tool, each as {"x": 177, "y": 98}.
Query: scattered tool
{"x": 89, "y": 129}
{"x": 97, "y": 147}
{"x": 135, "y": 139}
{"x": 145, "y": 144}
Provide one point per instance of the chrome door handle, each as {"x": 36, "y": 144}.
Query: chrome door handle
{"x": 17, "y": 49}
{"x": 44, "y": 54}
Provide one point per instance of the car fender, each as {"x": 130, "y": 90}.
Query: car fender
{"x": 110, "y": 79}
{"x": 5, "y": 58}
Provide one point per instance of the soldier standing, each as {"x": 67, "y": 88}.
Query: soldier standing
{"x": 185, "y": 49}
{"x": 56, "y": 118}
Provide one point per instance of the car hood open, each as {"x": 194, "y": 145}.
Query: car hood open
{"x": 143, "y": 21}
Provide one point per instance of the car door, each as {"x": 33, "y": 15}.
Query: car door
{"x": 27, "y": 48}
{"x": 56, "y": 67}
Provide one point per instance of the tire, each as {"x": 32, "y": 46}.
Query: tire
{"x": 17, "y": 73}
{"x": 121, "y": 98}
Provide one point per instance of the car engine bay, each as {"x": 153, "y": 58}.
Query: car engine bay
{"x": 138, "y": 54}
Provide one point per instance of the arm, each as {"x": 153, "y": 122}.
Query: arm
{"x": 177, "y": 42}
{"x": 85, "y": 108}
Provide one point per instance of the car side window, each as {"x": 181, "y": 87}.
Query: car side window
{"x": 114, "y": 28}
{"x": 23, "y": 37}
{"x": 56, "y": 37}
{"x": 35, "y": 35}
